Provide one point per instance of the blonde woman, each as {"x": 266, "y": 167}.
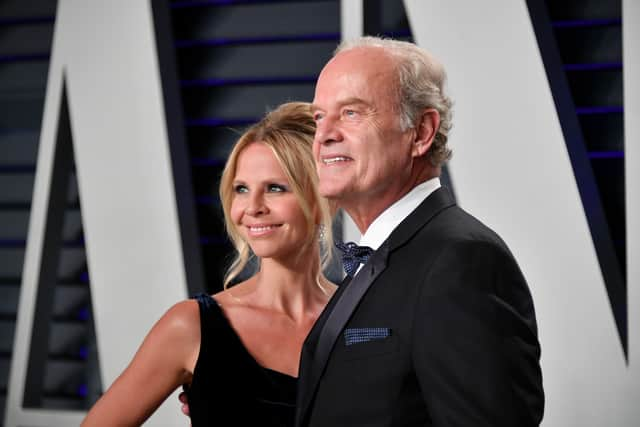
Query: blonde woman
{"x": 237, "y": 352}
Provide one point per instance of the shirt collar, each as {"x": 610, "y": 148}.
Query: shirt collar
{"x": 388, "y": 220}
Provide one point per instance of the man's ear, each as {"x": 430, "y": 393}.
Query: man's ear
{"x": 425, "y": 131}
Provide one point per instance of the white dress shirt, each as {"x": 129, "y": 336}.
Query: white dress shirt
{"x": 391, "y": 217}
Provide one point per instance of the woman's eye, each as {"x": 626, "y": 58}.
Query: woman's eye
{"x": 276, "y": 188}
{"x": 240, "y": 189}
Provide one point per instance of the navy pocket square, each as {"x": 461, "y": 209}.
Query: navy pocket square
{"x": 359, "y": 335}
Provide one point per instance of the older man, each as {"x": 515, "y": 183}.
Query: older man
{"x": 437, "y": 326}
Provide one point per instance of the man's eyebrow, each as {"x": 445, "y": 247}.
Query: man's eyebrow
{"x": 353, "y": 100}
{"x": 348, "y": 101}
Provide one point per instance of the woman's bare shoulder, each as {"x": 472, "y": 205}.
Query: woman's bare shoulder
{"x": 182, "y": 321}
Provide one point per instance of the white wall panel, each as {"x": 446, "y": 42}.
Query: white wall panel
{"x": 511, "y": 169}
{"x": 107, "y": 52}
{"x": 631, "y": 61}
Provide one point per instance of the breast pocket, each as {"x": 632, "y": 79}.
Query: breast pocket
{"x": 362, "y": 343}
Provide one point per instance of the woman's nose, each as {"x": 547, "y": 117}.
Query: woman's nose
{"x": 256, "y": 205}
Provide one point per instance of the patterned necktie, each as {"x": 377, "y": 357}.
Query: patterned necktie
{"x": 353, "y": 255}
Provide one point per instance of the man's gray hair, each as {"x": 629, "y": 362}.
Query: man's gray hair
{"x": 421, "y": 80}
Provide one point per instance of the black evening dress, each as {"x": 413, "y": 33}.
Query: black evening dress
{"x": 229, "y": 388}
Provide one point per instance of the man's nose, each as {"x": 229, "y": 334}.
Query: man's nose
{"x": 328, "y": 131}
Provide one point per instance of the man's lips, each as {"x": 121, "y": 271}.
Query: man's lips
{"x": 334, "y": 159}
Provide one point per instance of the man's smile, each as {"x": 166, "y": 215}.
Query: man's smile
{"x": 330, "y": 160}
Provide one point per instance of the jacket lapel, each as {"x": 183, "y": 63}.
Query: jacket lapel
{"x": 436, "y": 202}
{"x": 335, "y": 322}
{"x": 315, "y": 353}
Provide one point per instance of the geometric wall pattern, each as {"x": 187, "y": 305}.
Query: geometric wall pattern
{"x": 228, "y": 77}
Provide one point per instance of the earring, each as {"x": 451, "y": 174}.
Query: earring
{"x": 321, "y": 232}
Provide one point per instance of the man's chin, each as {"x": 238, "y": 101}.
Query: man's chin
{"x": 332, "y": 193}
{"x": 333, "y": 187}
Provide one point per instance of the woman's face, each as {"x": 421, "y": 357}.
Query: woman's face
{"x": 264, "y": 208}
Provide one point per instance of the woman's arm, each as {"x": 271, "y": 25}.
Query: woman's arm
{"x": 164, "y": 361}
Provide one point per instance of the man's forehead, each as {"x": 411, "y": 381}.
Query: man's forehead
{"x": 357, "y": 88}
{"x": 364, "y": 54}
{"x": 359, "y": 61}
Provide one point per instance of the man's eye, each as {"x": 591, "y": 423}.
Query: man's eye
{"x": 276, "y": 188}
{"x": 317, "y": 116}
{"x": 240, "y": 189}
{"x": 350, "y": 113}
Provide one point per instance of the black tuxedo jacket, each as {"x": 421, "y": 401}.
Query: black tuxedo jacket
{"x": 437, "y": 329}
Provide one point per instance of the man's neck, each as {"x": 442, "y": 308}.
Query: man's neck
{"x": 365, "y": 210}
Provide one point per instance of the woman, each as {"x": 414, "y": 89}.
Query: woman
{"x": 237, "y": 352}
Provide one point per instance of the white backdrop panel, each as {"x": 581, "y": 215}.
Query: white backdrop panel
{"x": 512, "y": 170}
{"x": 108, "y": 53}
{"x": 631, "y": 61}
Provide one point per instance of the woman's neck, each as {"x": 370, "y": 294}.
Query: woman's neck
{"x": 289, "y": 288}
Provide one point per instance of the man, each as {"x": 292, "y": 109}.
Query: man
{"x": 438, "y": 326}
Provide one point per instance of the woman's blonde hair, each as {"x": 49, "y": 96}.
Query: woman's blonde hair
{"x": 288, "y": 131}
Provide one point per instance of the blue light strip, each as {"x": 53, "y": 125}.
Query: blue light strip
{"x": 207, "y": 200}
{"x": 211, "y": 240}
{"x": 398, "y": 34}
{"x": 606, "y": 154}
{"x": 82, "y": 390}
{"x": 83, "y": 314}
{"x": 15, "y": 206}
{"x": 247, "y": 81}
{"x": 27, "y": 21}
{"x": 594, "y": 67}
{"x": 584, "y": 111}
{"x": 207, "y": 162}
{"x": 24, "y": 58}
{"x": 21, "y": 243}
{"x": 17, "y": 168}
{"x": 201, "y": 3}
{"x": 7, "y": 130}
{"x": 335, "y": 37}
{"x": 12, "y": 243}
{"x": 83, "y": 352}
{"x": 585, "y": 23}
{"x": 19, "y": 206}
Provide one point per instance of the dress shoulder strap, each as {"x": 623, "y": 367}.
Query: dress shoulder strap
{"x": 205, "y": 301}
{"x": 209, "y": 318}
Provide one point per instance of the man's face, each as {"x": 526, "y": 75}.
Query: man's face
{"x": 361, "y": 152}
